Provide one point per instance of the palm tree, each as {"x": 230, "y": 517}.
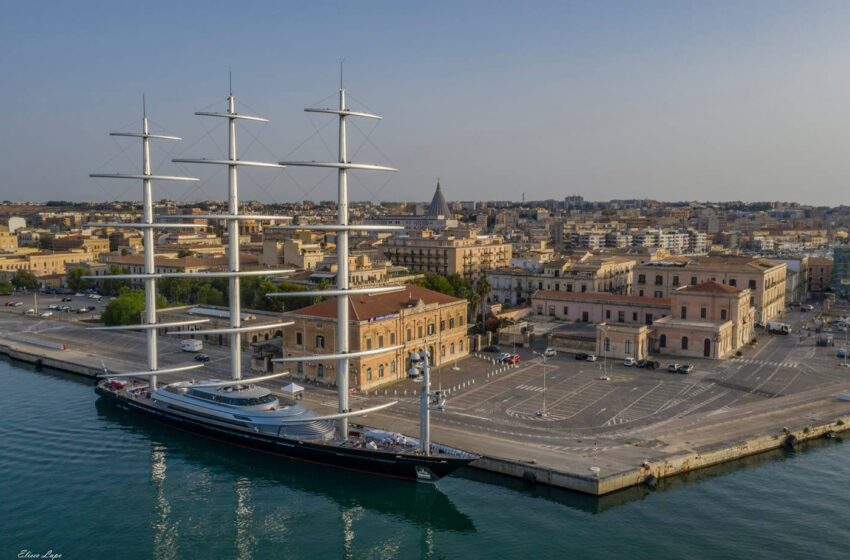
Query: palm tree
{"x": 482, "y": 290}
{"x": 474, "y": 300}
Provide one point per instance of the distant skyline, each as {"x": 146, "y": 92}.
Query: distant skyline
{"x": 663, "y": 100}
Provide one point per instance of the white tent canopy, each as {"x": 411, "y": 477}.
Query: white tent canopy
{"x": 292, "y": 389}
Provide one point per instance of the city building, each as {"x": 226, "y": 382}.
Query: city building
{"x": 765, "y": 279}
{"x": 414, "y": 318}
{"x": 457, "y": 251}
{"x": 840, "y": 274}
{"x": 437, "y": 217}
{"x": 817, "y": 273}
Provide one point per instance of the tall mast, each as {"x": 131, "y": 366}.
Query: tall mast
{"x": 235, "y": 329}
{"x": 147, "y": 225}
{"x": 342, "y": 228}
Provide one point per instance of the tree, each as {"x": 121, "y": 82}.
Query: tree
{"x": 112, "y": 287}
{"x": 6, "y": 287}
{"x": 24, "y": 279}
{"x": 74, "y": 279}
{"x": 207, "y": 295}
{"x": 127, "y": 308}
{"x": 184, "y": 253}
{"x": 482, "y": 290}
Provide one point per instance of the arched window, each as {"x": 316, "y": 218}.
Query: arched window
{"x": 452, "y": 323}
{"x": 392, "y": 368}
{"x": 368, "y": 374}
{"x": 442, "y": 350}
{"x": 460, "y": 346}
{"x": 684, "y": 343}
{"x": 320, "y": 341}
{"x": 266, "y": 336}
{"x": 452, "y": 348}
{"x": 381, "y": 370}
{"x": 254, "y": 339}
{"x": 662, "y": 341}
{"x": 278, "y": 334}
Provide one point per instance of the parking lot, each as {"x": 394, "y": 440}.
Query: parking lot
{"x": 605, "y": 399}
{"x": 53, "y": 303}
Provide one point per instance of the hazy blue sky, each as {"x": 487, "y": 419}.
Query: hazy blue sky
{"x": 669, "y": 100}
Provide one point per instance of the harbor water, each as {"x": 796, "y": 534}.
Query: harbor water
{"x": 82, "y": 479}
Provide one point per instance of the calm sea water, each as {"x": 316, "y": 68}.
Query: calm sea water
{"x": 87, "y": 481}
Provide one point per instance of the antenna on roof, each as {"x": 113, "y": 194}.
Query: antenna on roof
{"x": 144, "y": 107}
{"x": 230, "y": 79}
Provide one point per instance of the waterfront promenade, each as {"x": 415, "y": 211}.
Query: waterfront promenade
{"x": 599, "y": 435}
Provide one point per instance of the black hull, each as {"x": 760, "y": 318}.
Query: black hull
{"x": 405, "y": 467}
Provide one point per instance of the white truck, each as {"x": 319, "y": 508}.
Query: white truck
{"x": 774, "y": 327}
{"x": 192, "y": 345}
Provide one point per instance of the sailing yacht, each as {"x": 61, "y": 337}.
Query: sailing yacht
{"x": 240, "y": 410}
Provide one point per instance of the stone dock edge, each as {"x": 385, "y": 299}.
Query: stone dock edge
{"x": 647, "y": 474}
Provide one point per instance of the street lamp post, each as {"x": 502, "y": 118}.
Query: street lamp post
{"x": 543, "y": 412}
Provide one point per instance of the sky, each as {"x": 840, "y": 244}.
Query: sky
{"x": 670, "y": 100}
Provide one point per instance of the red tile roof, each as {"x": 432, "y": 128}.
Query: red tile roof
{"x": 363, "y": 308}
{"x": 711, "y": 287}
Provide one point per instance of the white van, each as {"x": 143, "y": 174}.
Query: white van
{"x": 192, "y": 345}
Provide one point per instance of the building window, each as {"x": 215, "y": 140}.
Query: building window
{"x": 634, "y": 316}
{"x": 380, "y": 341}
{"x": 368, "y": 374}
{"x": 621, "y": 316}
{"x": 752, "y": 284}
{"x": 381, "y": 370}
{"x": 300, "y": 368}
{"x": 452, "y": 323}
{"x": 540, "y": 285}
{"x": 662, "y": 341}
{"x": 684, "y": 312}
{"x": 659, "y": 294}
{"x": 569, "y": 287}
{"x": 320, "y": 370}
{"x": 566, "y": 310}
{"x": 703, "y": 312}
{"x": 551, "y": 310}
{"x": 540, "y": 310}
{"x": 419, "y": 329}
{"x": 320, "y": 341}
{"x": 409, "y": 334}
{"x": 684, "y": 343}
{"x": 693, "y": 280}
{"x": 649, "y": 318}
{"x": 583, "y": 288}
{"x": 675, "y": 280}
{"x": 607, "y": 313}
{"x": 392, "y": 368}
{"x": 722, "y": 314}
{"x": 431, "y": 329}
{"x": 460, "y": 321}
{"x": 368, "y": 343}
{"x": 299, "y": 340}
{"x": 452, "y": 348}
{"x": 752, "y": 301}
{"x": 659, "y": 280}
{"x": 641, "y": 278}
{"x": 607, "y": 344}
{"x": 460, "y": 346}
{"x": 640, "y": 293}
{"x": 628, "y": 347}
{"x": 392, "y": 339}
{"x": 442, "y": 350}
{"x": 733, "y": 282}
{"x": 442, "y": 325}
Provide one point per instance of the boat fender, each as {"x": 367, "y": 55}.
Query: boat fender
{"x": 651, "y": 481}
{"x": 791, "y": 441}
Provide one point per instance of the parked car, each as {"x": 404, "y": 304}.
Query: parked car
{"x": 514, "y": 359}
{"x": 686, "y": 368}
{"x": 629, "y": 361}
{"x": 648, "y": 364}
{"x": 53, "y": 306}
{"x": 46, "y": 314}
{"x": 841, "y": 353}
{"x": 17, "y": 304}
{"x": 758, "y": 325}
{"x": 91, "y": 307}
{"x": 29, "y": 311}
{"x": 66, "y": 298}
{"x": 9, "y": 303}
{"x": 83, "y": 310}
{"x": 581, "y": 356}
{"x": 591, "y": 358}
{"x": 502, "y": 357}
{"x": 808, "y": 307}
{"x": 490, "y": 349}
{"x": 673, "y": 368}
{"x": 550, "y": 353}
{"x": 202, "y": 358}
{"x": 66, "y": 308}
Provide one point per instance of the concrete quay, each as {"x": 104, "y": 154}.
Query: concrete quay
{"x": 606, "y": 427}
